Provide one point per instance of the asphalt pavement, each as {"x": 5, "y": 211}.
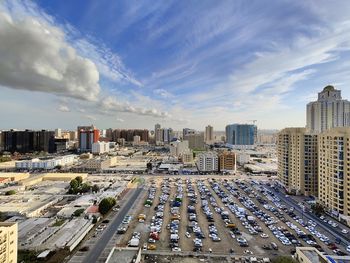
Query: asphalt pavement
{"x": 95, "y": 251}
{"x": 334, "y": 232}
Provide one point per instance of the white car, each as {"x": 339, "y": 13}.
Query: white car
{"x": 187, "y": 235}
{"x": 344, "y": 231}
{"x": 176, "y": 249}
{"x": 348, "y": 248}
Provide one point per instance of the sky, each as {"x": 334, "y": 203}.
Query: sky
{"x": 133, "y": 63}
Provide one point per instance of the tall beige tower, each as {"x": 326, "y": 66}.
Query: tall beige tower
{"x": 209, "y": 134}
{"x": 297, "y": 161}
{"x": 334, "y": 171}
{"x": 8, "y": 242}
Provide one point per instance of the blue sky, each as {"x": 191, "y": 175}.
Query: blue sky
{"x": 179, "y": 63}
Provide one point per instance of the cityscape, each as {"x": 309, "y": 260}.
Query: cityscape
{"x": 112, "y": 159}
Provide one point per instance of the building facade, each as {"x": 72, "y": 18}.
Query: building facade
{"x": 100, "y": 147}
{"x": 28, "y": 141}
{"x": 227, "y": 161}
{"x": 334, "y": 171}
{"x": 329, "y": 111}
{"x": 195, "y": 140}
{"x": 241, "y": 134}
{"x": 208, "y": 162}
{"x": 177, "y": 148}
{"x": 8, "y": 242}
{"x": 297, "y": 152}
{"x": 48, "y": 163}
{"x": 87, "y": 135}
{"x": 209, "y": 134}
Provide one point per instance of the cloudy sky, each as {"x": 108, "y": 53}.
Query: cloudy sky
{"x": 135, "y": 63}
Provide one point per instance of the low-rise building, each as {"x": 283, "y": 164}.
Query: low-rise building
{"x": 47, "y": 163}
{"x": 100, "y": 147}
{"x": 98, "y": 164}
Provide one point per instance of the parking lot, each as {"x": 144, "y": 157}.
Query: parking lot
{"x": 224, "y": 216}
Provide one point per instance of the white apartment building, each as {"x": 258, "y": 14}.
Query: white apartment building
{"x": 329, "y": 111}
{"x": 100, "y": 147}
{"x": 8, "y": 242}
{"x": 46, "y": 163}
{"x": 208, "y": 162}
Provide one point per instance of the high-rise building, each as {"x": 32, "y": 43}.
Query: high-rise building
{"x": 195, "y": 140}
{"x": 334, "y": 171}
{"x": 329, "y": 111}
{"x": 187, "y": 131}
{"x": 297, "y": 161}
{"x": 227, "y": 161}
{"x": 241, "y": 134}
{"x": 209, "y": 134}
{"x": 28, "y": 141}
{"x": 208, "y": 162}
{"x": 177, "y": 148}
{"x": 87, "y": 135}
{"x": 8, "y": 242}
{"x": 58, "y": 133}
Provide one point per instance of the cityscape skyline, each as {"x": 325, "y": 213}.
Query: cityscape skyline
{"x": 211, "y": 66}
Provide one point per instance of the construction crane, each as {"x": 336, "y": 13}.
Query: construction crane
{"x": 253, "y": 121}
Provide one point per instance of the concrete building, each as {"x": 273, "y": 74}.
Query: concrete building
{"x": 297, "y": 161}
{"x": 227, "y": 161}
{"x": 100, "y": 147}
{"x": 329, "y": 111}
{"x": 99, "y": 164}
{"x": 187, "y": 157}
{"x": 137, "y": 140}
{"x": 209, "y": 134}
{"x": 195, "y": 140}
{"x": 8, "y": 242}
{"x": 48, "y": 163}
{"x": 58, "y": 133}
{"x": 241, "y": 134}
{"x": 334, "y": 172}
{"x": 87, "y": 135}
{"x": 208, "y": 162}
{"x": 178, "y": 148}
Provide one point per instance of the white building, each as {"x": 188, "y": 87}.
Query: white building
{"x": 136, "y": 140}
{"x": 100, "y": 147}
{"x": 329, "y": 111}
{"x": 46, "y": 163}
{"x": 208, "y": 162}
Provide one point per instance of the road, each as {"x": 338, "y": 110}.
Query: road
{"x": 108, "y": 233}
{"x": 334, "y": 232}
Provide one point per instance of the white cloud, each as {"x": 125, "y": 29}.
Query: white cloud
{"x": 119, "y": 120}
{"x": 36, "y": 57}
{"x": 111, "y": 104}
{"x": 90, "y": 117}
{"x": 163, "y": 93}
{"x": 63, "y": 108}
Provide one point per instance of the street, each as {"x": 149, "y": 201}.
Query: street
{"x": 106, "y": 236}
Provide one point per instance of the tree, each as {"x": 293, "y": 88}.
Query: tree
{"x": 10, "y": 192}
{"x": 95, "y": 188}
{"x": 283, "y": 259}
{"x": 79, "y": 179}
{"x": 317, "y": 208}
{"x": 78, "y": 212}
{"x": 74, "y": 184}
{"x": 85, "y": 187}
{"x": 106, "y": 204}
